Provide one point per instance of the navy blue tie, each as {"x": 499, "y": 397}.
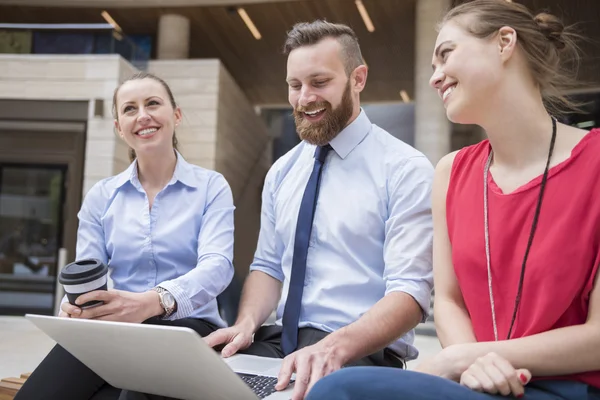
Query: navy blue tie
{"x": 291, "y": 312}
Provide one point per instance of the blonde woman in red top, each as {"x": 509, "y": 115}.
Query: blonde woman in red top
{"x": 516, "y": 224}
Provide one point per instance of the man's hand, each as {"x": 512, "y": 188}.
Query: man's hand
{"x": 236, "y": 338}
{"x": 310, "y": 364}
{"x": 118, "y": 306}
{"x": 494, "y": 374}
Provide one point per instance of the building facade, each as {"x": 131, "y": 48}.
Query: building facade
{"x": 57, "y": 82}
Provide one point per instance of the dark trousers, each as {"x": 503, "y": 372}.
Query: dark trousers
{"x": 61, "y": 376}
{"x": 368, "y": 383}
{"x": 267, "y": 343}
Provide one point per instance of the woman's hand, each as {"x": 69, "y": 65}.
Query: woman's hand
{"x": 449, "y": 363}
{"x": 118, "y": 306}
{"x": 495, "y": 375}
{"x": 62, "y": 313}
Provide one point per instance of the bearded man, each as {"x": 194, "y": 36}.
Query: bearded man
{"x": 345, "y": 245}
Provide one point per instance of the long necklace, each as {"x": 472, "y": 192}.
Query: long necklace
{"x": 531, "y": 234}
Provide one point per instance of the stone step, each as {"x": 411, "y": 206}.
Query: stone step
{"x": 426, "y": 328}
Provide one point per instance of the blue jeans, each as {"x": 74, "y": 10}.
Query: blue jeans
{"x": 378, "y": 383}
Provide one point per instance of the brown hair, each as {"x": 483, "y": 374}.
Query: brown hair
{"x": 138, "y": 76}
{"x": 549, "y": 47}
{"x": 309, "y": 33}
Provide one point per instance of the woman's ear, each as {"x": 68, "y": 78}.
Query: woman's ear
{"x": 507, "y": 42}
{"x": 178, "y": 116}
{"x": 118, "y": 128}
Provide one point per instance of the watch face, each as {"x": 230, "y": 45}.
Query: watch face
{"x": 168, "y": 300}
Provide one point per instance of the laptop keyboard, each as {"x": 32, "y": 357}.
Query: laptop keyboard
{"x": 262, "y": 386}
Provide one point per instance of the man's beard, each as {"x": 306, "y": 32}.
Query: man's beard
{"x": 323, "y": 131}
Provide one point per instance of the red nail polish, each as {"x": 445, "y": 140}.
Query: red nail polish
{"x": 523, "y": 378}
{"x": 519, "y": 396}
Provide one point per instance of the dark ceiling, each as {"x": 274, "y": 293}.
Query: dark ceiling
{"x": 258, "y": 65}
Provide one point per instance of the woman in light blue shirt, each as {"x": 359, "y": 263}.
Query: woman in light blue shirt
{"x": 164, "y": 228}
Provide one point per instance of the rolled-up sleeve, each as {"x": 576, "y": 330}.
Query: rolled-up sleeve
{"x": 409, "y": 232}
{"x": 269, "y": 249}
{"x": 214, "y": 268}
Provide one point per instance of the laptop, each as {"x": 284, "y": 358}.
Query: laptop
{"x": 163, "y": 360}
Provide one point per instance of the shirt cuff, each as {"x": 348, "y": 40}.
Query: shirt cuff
{"x": 269, "y": 271}
{"x": 184, "y": 305}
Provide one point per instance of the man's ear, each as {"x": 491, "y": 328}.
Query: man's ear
{"x": 359, "y": 78}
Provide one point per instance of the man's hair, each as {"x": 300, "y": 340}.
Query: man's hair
{"x": 310, "y": 33}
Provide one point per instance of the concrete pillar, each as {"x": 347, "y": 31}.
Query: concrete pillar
{"x": 173, "y": 37}
{"x": 432, "y": 128}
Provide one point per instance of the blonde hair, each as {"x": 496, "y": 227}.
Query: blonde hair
{"x": 549, "y": 47}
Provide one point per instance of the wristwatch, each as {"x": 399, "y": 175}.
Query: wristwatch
{"x": 167, "y": 301}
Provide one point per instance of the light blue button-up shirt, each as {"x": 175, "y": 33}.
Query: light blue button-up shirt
{"x": 372, "y": 230}
{"x": 184, "y": 243}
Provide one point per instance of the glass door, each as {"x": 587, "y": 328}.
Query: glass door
{"x": 31, "y": 233}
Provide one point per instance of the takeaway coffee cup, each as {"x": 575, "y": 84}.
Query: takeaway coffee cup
{"x": 84, "y": 276}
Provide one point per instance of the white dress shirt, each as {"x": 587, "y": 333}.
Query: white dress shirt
{"x": 184, "y": 243}
{"x": 372, "y": 230}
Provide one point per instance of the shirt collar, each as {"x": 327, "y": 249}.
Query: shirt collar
{"x": 184, "y": 173}
{"x": 352, "y": 135}
{"x": 127, "y": 175}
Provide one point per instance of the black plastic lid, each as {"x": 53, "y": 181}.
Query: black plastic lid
{"x": 82, "y": 271}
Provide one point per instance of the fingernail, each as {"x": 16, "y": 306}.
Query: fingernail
{"x": 519, "y": 396}
{"x": 523, "y": 378}
{"x": 77, "y": 311}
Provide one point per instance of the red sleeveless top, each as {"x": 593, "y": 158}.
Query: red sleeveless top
{"x": 564, "y": 256}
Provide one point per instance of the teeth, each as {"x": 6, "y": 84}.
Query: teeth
{"x": 147, "y": 131}
{"x": 315, "y": 112}
{"x": 448, "y": 91}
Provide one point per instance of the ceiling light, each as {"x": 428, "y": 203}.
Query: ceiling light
{"x": 111, "y": 21}
{"x": 249, "y": 23}
{"x": 365, "y": 15}
{"x": 405, "y": 96}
